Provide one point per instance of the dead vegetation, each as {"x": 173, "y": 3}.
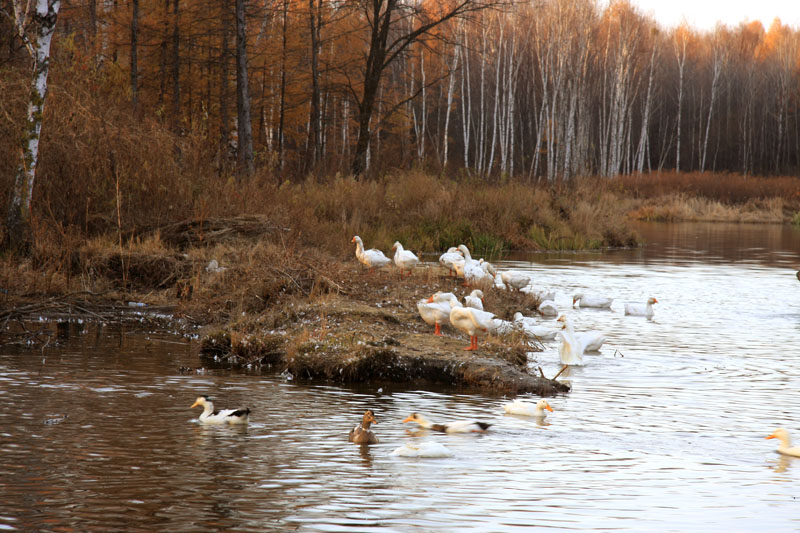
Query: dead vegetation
{"x": 268, "y": 302}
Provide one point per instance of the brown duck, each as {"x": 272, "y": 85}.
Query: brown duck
{"x": 361, "y": 434}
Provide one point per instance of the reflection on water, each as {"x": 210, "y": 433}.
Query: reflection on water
{"x": 664, "y": 429}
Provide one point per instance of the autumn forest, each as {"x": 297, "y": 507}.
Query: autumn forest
{"x": 144, "y": 91}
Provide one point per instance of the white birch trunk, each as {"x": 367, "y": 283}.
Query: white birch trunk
{"x": 680, "y": 54}
{"x": 43, "y": 22}
{"x": 643, "y": 136}
{"x": 451, "y": 82}
{"x": 717, "y": 66}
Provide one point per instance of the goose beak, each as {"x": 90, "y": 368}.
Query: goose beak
{"x": 430, "y": 299}
{"x": 195, "y": 404}
{"x": 353, "y": 239}
{"x": 770, "y": 437}
{"x": 655, "y": 301}
{"x": 409, "y": 418}
{"x": 548, "y": 408}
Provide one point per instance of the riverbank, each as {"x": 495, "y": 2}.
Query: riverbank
{"x": 258, "y": 302}
{"x": 283, "y": 291}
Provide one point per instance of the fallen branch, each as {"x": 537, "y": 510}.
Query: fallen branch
{"x": 560, "y": 371}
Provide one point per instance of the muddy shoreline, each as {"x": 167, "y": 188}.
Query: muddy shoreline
{"x": 347, "y": 341}
{"x": 335, "y": 322}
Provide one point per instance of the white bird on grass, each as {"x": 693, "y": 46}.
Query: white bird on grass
{"x": 474, "y": 299}
{"x": 436, "y": 309}
{"x": 532, "y": 329}
{"x": 473, "y": 322}
{"x": 473, "y": 271}
{"x": 451, "y": 259}
{"x": 404, "y": 259}
{"x": 372, "y": 258}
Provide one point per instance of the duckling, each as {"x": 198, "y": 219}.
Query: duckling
{"x": 216, "y": 416}
{"x": 452, "y": 427}
{"x": 361, "y": 434}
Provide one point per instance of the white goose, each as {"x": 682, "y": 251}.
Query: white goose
{"x": 785, "y": 445}
{"x": 589, "y": 341}
{"x": 532, "y": 329}
{"x": 514, "y": 280}
{"x": 548, "y": 308}
{"x": 451, "y": 259}
{"x": 372, "y": 258}
{"x": 473, "y": 272}
{"x": 404, "y": 259}
{"x": 474, "y": 299}
{"x": 570, "y": 351}
{"x": 592, "y": 300}
{"x": 220, "y": 416}
{"x": 645, "y": 309}
{"x": 543, "y": 295}
{"x": 436, "y": 309}
{"x": 518, "y": 407}
{"x": 473, "y": 322}
{"x": 502, "y": 327}
{"x": 451, "y": 427}
{"x": 428, "y": 449}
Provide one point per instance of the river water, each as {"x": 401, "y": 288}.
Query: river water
{"x": 663, "y": 430}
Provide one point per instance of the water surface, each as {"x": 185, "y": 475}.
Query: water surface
{"x": 663, "y": 430}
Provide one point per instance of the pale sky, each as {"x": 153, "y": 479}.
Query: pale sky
{"x": 704, "y": 14}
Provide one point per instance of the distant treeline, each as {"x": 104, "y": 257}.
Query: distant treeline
{"x": 536, "y": 90}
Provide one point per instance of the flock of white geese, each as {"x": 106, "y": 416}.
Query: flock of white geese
{"x": 471, "y": 318}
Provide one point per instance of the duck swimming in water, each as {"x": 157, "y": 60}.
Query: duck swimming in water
{"x": 220, "y": 416}
{"x": 518, "y": 407}
{"x": 785, "y": 447}
{"x": 452, "y": 427}
{"x": 361, "y": 434}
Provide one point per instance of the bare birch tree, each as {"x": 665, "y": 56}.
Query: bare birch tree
{"x": 35, "y": 23}
{"x": 718, "y": 59}
{"x": 679, "y": 46}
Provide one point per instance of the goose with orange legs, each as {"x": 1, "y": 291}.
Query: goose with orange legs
{"x": 404, "y": 259}
{"x": 436, "y": 309}
{"x": 473, "y": 322}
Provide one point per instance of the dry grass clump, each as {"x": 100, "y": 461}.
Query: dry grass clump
{"x": 680, "y": 207}
{"x": 430, "y": 214}
{"x": 727, "y": 188}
